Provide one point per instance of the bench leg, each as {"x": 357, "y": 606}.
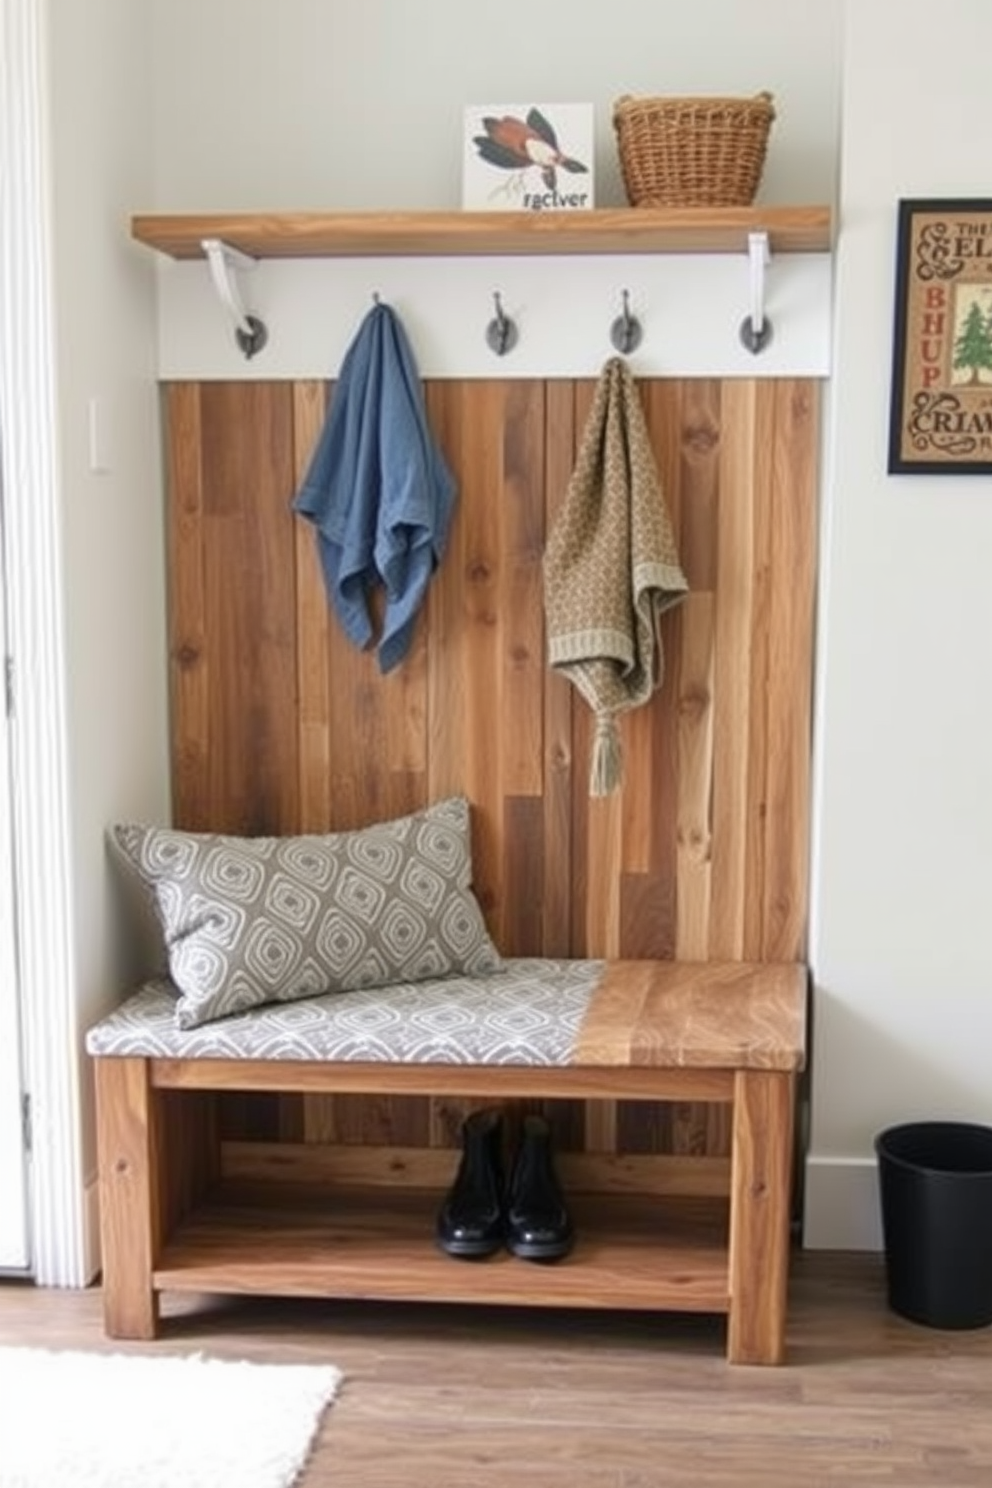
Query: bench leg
{"x": 129, "y": 1220}
{"x": 761, "y": 1179}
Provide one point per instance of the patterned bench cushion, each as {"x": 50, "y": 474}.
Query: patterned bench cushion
{"x": 527, "y": 1013}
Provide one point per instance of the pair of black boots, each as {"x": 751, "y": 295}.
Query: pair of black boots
{"x": 481, "y": 1213}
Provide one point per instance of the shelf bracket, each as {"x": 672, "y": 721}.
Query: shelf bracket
{"x": 249, "y": 332}
{"x": 756, "y": 328}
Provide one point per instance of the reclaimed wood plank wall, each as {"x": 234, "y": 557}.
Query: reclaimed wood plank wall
{"x": 279, "y": 725}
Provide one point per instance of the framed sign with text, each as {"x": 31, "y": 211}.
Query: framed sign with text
{"x": 533, "y": 157}
{"x": 941, "y": 408}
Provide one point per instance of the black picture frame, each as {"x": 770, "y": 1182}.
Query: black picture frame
{"x": 940, "y": 419}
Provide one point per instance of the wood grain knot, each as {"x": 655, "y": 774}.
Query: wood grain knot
{"x": 478, "y": 571}
{"x": 695, "y": 838}
{"x": 187, "y": 655}
{"x": 694, "y": 701}
{"x": 759, "y": 1188}
{"x": 121, "y": 1166}
{"x": 701, "y": 439}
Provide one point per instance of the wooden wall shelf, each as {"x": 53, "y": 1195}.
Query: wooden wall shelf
{"x": 412, "y": 234}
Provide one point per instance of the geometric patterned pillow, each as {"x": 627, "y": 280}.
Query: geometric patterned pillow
{"x": 253, "y": 920}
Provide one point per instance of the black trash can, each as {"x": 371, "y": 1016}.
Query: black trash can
{"x": 935, "y": 1183}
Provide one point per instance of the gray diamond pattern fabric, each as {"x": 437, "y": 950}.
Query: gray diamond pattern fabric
{"x": 253, "y": 920}
{"x": 527, "y": 1013}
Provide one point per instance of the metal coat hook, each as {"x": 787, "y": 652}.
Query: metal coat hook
{"x": 501, "y": 332}
{"x": 626, "y": 331}
{"x": 756, "y": 328}
{"x": 249, "y": 332}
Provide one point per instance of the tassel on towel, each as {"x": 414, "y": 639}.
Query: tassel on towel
{"x": 611, "y": 568}
{"x": 607, "y": 760}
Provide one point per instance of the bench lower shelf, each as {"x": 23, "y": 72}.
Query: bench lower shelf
{"x": 639, "y": 1253}
{"x": 173, "y": 1217}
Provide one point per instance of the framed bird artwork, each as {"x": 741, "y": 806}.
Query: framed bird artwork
{"x": 528, "y": 157}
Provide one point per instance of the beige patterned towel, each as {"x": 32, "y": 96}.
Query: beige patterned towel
{"x": 611, "y": 568}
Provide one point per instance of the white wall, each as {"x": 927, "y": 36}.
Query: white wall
{"x": 903, "y": 892}
{"x": 357, "y": 104}
{"x": 112, "y": 555}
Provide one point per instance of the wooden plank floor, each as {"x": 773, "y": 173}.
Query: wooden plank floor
{"x": 466, "y": 1397}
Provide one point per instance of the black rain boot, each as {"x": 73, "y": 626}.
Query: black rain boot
{"x": 538, "y": 1225}
{"x": 470, "y": 1221}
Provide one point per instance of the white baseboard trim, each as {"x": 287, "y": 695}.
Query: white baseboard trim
{"x": 841, "y": 1209}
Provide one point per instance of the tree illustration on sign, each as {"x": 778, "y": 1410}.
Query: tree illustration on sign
{"x": 973, "y": 346}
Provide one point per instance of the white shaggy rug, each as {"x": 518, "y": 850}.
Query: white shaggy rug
{"x": 90, "y": 1420}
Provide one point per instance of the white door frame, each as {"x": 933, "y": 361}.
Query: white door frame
{"x": 29, "y": 419}
{"x": 15, "y": 1244}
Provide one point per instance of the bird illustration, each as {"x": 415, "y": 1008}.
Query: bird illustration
{"x": 515, "y": 144}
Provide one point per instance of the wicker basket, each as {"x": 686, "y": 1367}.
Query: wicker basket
{"x": 692, "y": 152}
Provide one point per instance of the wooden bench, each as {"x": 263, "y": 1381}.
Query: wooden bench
{"x": 181, "y": 1210}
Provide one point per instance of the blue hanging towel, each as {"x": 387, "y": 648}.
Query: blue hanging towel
{"x": 378, "y": 490}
